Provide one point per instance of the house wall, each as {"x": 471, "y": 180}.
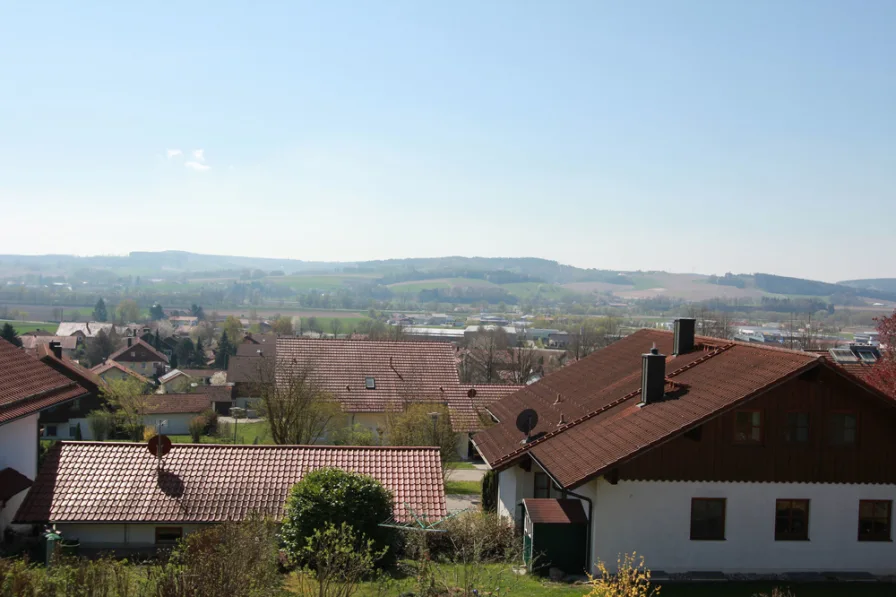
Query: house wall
{"x": 64, "y": 429}
{"x": 178, "y": 423}
{"x": 653, "y": 518}
{"x": 114, "y": 374}
{"x": 514, "y": 485}
{"x": 118, "y": 535}
{"x": 178, "y": 385}
{"x": 18, "y": 450}
{"x": 144, "y": 368}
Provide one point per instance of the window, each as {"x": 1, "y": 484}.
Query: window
{"x": 797, "y": 428}
{"x": 542, "y": 485}
{"x": 370, "y": 383}
{"x": 748, "y": 426}
{"x": 168, "y": 535}
{"x": 874, "y": 520}
{"x": 707, "y": 519}
{"x": 792, "y": 520}
{"x": 842, "y": 431}
{"x": 73, "y": 431}
{"x": 50, "y": 431}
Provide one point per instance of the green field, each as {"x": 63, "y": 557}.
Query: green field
{"x": 23, "y": 327}
{"x": 530, "y": 290}
{"x": 317, "y": 282}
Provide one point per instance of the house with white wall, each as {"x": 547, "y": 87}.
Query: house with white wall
{"x": 704, "y": 454}
{"x": 139, "y": 503}
{"x": 140, "y": 357}
{"x": 27, "y": 387}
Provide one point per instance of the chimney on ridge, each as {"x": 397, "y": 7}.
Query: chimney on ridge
{"x": 56, "y": 347}
{"x": 130, "y": 341}
{"x": 683, "y": 339}
{"x": 653, "y": 376}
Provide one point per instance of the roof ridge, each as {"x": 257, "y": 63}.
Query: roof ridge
{"x": 257, "y": 446}
{"x": 606, "y": 407}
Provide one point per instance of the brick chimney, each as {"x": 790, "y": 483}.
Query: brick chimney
{"x": 653, "y": 376}
{"x": 56, "y": 347}
{"x": 683, "y": 339}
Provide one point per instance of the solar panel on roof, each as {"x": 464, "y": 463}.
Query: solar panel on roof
{"x": 843, "y": 355}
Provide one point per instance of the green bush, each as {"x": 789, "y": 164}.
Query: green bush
{"x": 472, "y": 537}
{"x": 331, "y": 496}
{"x": 211, "y": 421}
{"x": 490, "y": 491}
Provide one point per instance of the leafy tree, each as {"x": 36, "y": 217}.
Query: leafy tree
{"x": 9, "y": 334}
{"x": 99, "y": 311}
{"x": 233, "y": 327}
{"x": 184, "y": 352}
{"x": 156, "y": 312}
{"x": 883, "y": 374}
{"x": 173, "y": 361}
{"x": 423, "y": 425}
{"x": 312, "y": 324}
{"x": 333, "y": 497}
{"x": 130, "y": 402}
{"x": 100, "y": 347}
{"x": 298, "y": 410}
{"x": 197, "y": 312}
{"x": 336, "y": 561}
{"x": 283, "y": 326}
{"x": 490, "y": 491}
{"x": 199, "y": 354}
{"x": 128, "y": 311}
{"x": 224, "y": 352}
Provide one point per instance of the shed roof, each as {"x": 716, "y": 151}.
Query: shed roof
{"x": 554, "y": 511}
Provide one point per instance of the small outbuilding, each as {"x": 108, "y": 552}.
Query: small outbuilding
{"x": 555, "y": 535}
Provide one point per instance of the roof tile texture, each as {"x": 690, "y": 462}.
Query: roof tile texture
{"x": 118, "y": 482}
{"x": 28, "y": 386}
{"x": 143, "y": 352}
{"x": 553, "y": 511}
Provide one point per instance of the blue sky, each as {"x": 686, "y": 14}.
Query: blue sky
{"x": 687, "y": 136}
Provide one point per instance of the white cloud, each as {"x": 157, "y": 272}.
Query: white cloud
{"x": 197, "y": 166}
{"x": 173, "y": 153}
{"x": 199, "y": 155}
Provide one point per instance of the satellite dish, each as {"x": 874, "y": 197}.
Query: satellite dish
{"x": 159, "y": 445}
{"x": 526, "y": 421}
{"x": 471, "y": 393}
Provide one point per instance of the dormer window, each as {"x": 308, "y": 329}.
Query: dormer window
{"x": 370, "y": 383}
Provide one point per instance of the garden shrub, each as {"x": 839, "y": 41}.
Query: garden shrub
{"x": 490, "y": 491}
{"x": 197, "y": 426}
{"x": 331, "y": 496}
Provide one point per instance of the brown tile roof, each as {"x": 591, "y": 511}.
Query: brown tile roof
{"x": 110, "y": 364}
{"x": 597, "y": 398}
{"x": 244, "y": 369}
{"x": 117, "y": 482}
{"x": 216, "y": 393}
{"x": 467, "y": 404}
{"x": 74, "y": 371}
{"x": 11, "y": 483}
{"x": 135, "y": 343}
{"x": 168, "y": 404}
{"x": 402, "y": 371}
{"x": 552, "y": 511}
{"x": 256, "y": 339}
{"x": 28, "y": 386}
{"x": 201, "y": 373}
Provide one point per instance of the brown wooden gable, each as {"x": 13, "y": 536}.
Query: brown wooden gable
{"x": 710, "y": 453}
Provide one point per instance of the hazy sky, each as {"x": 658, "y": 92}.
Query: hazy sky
{"x": 704, "y": 136}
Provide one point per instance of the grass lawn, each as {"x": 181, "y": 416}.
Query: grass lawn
{"x": 465, "y": 487}
{"x": 23, "y": 327}
{"x": 461, "y": 466}
{"x": 246, "y": 433}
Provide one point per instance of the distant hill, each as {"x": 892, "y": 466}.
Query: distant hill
{"x": 878, "y": 284}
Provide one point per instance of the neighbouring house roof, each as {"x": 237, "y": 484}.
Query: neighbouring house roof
{"x": 123, "y": 354}
{"x": 101, "y": 482}
{"x": 553, "y": 511}
{"x": 266, "y": 345}
{"x": 201, "y": 373}
{"x": 266, "y": 339}
{"x": 90, "y": 329}
{"x": 37, "y": 332}
{"x": 589, "y": 419}
{"x": 109, "y": 364}
{"x": 12, "y": 482}
{"x": 171, "y": 375}
{"x": 32, "y": 342}
{"x": 467, "y": 404}
{"x": 216, "y": 393}
{"x": 402, "y": 372}
{"x": 74, "y": 371}
{"x": 244, "y": 369}
{"x": 169, "y": 404}
{"x": 28, "y": 386}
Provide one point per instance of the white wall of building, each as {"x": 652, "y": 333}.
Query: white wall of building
{"x": 178, "y": 423}
{"x": 18, "y": 450}
{"x": 118, "y": 535}
{"x": 653, "y": 518}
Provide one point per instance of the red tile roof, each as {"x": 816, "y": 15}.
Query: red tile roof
{"x": 216, "y": 393}
{"x": 28, "y": 386}
{"x": 11, "y": 483}
{"x": 467, "y": 404}
{"x": 166, "y": 404}
{"x": 117, "y": 482}
{"x": 123, "y": 353}
{"x": 33, "y": 342}
{"x": 589, "y": 418}
{"x": 552, "y": 511}
{"x": 110, "y": 364}
{"x": 402, "y": 371}
{"x": 87, "y": 378}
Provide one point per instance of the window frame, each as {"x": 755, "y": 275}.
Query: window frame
{"x": 180, "y": 530}
{"x": 788, "y": 429}
{"x": 830, "y": 430}
{"x": 724, "y": 501}
{"x": 872, "y": 537}
{"x": 789, "y": 536}
{"x": 750, "y": 441}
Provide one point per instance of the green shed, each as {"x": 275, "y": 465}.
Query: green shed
{"x": 555, "y": 535}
